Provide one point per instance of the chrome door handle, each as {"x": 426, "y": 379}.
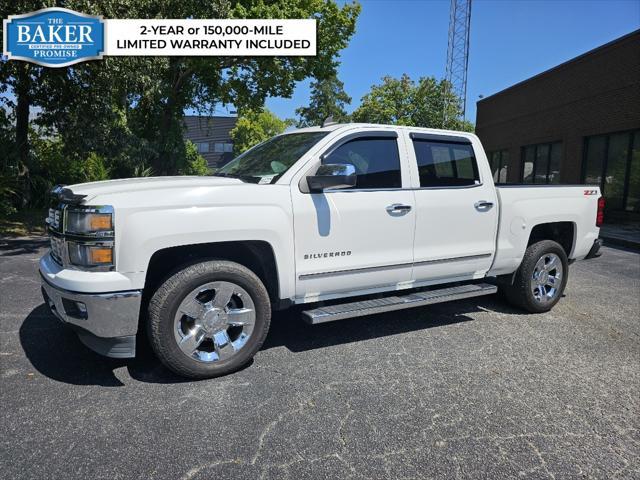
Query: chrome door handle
{"x": 398, "y": 208}
{"x": 483, "y": 205}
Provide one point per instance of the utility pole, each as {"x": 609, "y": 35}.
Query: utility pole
{"x": 457, "y": 54}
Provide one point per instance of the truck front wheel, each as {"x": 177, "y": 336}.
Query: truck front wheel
{"x": 541, "y": 278}
{"x": 209, "y": 319}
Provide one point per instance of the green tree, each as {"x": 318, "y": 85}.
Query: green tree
{"x": 328, "y": 99}
{"x": 402, "y": 101}
{"x": 256, "y": 126}
{"x": 179, "y": 83}
{"x": 132, "y": 108}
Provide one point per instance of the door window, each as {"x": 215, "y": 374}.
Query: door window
{"x": 376, "y": 160}
{"x": 444, "y": 164}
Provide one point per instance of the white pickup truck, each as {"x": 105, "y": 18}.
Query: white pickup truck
{"x": 349, "y": 220}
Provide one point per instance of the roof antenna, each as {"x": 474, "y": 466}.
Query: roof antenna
{"x": 328, "y": 121}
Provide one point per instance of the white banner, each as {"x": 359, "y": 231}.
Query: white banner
{"x": 210, "y": 37}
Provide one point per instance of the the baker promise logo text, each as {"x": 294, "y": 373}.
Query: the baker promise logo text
{"x": 54, "y": 37}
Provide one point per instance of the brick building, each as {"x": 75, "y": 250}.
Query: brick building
{"x": 578, "y": 122}
{"x": 211, "y": 136}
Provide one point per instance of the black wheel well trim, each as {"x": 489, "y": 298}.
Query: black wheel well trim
{"x": 542, "y": 233}
{"x": 562, "y": 232}
{"x": 256, "y": 255}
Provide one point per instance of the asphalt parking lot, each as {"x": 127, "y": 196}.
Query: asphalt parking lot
{"x": 472, "y": 389}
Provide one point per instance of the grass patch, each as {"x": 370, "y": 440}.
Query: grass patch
{"x": 25, "y": 223}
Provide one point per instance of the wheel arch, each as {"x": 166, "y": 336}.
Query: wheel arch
{"x": 564, "y": 233}
{"x": 257, "y": 255}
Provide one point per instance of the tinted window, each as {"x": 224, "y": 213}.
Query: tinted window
{"x": 613, "y": 162}
{"x": 443, "y": 164}
{"x": 541, "y": 163}
{"x": 499, "y": 161}
{"x": 376, "y": 161}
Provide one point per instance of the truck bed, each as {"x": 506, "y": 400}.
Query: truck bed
{"x": 524, "y": 206}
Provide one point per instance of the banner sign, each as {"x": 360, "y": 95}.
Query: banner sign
{"x": 58, "y": 37}
{"x": 211, "y": 37}
{"x": 53, "y": 37}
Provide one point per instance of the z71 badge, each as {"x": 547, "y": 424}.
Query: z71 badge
{"x": 591, "y": 192}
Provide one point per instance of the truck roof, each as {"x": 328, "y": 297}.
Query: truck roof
{"x": 338, "y": 126}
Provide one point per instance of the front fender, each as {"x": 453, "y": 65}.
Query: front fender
{"x": 142, "y": 232}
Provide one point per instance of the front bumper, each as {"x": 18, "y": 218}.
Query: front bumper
{"x": 105, "y": 322}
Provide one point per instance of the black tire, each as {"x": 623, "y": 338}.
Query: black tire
{"x": 520, "y": 293}
{"x": 167, "y": 298}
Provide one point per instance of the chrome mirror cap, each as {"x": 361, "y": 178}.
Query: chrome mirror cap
{"x": 335, "y": 169}
{"x": 334, "y": 176}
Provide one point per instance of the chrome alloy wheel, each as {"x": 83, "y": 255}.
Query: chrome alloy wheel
{"x": 214, "y": 321}
{"x": 547, "y": 278}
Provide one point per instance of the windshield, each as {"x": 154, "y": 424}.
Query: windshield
{"x": 265, "y": 163}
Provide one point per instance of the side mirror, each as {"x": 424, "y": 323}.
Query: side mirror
{"x": 332, "y": 176}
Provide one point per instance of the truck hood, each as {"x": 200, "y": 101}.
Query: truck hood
{"x": 136, "y": 185}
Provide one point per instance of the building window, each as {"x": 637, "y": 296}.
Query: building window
{"x": 541, "y": 163}
{"x": 499, "y": 161}
{"x": 613, "y": 162}
{"x": 203, "y": 147}
{"x": 223, "y": 147}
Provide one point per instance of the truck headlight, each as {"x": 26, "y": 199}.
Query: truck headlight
{"x": 97, "y": 221}
{"x": 89, "y": 235}
{"x": 90, "y": 255}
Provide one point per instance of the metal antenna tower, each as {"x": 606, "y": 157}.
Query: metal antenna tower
{"x": 458, "y": 52}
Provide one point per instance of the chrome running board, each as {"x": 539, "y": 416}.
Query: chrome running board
{"x": 329, "y": 313}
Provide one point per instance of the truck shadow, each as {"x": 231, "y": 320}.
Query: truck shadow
{"x": 55, "y": 351}
{"x": 289, "y": 331}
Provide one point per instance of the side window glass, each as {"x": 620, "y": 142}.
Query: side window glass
{"x": 376, "y": 160}
{"x": 441, "y": 161}
{"x": 445, "y": 164}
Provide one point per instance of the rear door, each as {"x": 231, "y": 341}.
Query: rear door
{"x": 456, "y": 208}
{"x": 361, "y": 238}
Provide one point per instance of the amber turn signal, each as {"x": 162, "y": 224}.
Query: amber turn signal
{"x": 100, "y": 255}
{"x": 100, "y": 221}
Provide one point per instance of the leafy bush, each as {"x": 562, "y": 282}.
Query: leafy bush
{"x": 52, "y": 163}
{"x": 7, "y": 196}
{"x": 95, "y": 168}
{"x": 50, "y": 166}
{"x": 195, "y": 163}
{"x": 142, "y": 171}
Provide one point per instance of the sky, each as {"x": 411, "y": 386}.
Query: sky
{"x": 511, "y": 40}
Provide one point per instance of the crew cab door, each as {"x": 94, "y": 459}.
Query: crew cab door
{"x": 358, "y": 238}
{"x": 456, "y": 208}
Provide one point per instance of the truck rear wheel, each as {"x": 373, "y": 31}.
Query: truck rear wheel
{"x": 541, "y": 278}
{"x": 209, "y": 319}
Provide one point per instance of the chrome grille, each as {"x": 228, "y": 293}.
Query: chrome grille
{"x": 62, "y": 200}
{"x": 54, "y": 219}
{"x": 57, "y": 248}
